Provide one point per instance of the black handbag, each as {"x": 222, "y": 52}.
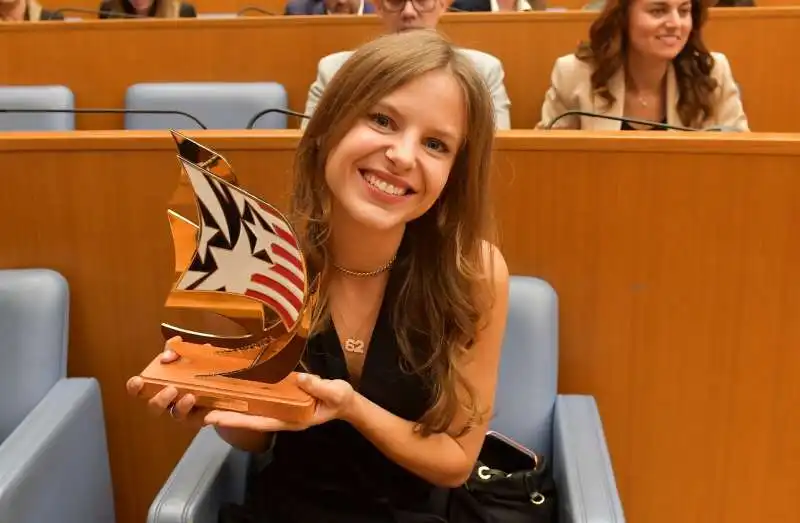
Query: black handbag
{"x": 509, "y": 484}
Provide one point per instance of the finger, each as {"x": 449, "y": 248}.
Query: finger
{"x": 307, "y": 382}
{"x": 237, "y": 420}
{"x": 328, "y": 391}
{"x": 169, "y": 355}
{"x": 134, "y": 386}
{"x": 183, "y": 407}
{"x": 161, "y": 401}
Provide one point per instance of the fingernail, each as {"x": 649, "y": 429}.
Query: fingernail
{"x": 169, "y": 353}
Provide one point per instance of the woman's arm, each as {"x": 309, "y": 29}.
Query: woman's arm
{"x": 730, "y": 111}
{"x": 557, "y": 98}
{"x": 247, "y": 440}
{"x": 442, "y": 459}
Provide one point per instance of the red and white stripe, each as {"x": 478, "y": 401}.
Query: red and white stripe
{"x": 283, "y": 287}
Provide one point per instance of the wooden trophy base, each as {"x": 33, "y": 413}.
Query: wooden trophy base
{"x": 284, "y": 400}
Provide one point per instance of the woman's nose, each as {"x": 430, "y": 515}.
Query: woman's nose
{"x": 402, "y": 153}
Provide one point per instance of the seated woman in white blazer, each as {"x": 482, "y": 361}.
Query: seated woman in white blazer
{"x": 645, "y": 60}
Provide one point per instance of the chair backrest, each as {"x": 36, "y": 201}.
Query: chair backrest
{"x": 34, "y": 326}
{"x": 218, "y": 105}
{"x": 528, "y": 380}
{"x": 36, "y": 97}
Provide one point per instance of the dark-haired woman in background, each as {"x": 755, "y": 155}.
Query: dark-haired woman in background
{"x": 645, "y": 60}
{"x": 146, "y": 9}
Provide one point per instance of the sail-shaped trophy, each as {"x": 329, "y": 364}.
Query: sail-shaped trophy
{"x": 241, "y": 292}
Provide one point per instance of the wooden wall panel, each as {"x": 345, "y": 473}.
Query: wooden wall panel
{"x": 674, "y": 257}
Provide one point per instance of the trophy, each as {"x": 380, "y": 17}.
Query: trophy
{"x": 241, "y": 300}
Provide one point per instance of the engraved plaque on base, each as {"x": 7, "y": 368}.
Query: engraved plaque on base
{"x": 241, "y": 300}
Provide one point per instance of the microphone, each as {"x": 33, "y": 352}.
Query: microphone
{"x": 102, "y": 111}
{"x": 287, "y": 112}
{"x": 243, "y": 10}
{"x": 106, "y": 14}
{"x": 638, "y": 121}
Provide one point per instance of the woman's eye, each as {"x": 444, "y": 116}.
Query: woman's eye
{"x": 381, "y": 119}
{"x": 436, "y": 145}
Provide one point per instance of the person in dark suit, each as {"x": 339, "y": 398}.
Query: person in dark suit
{"x": 497, "y": 6}
{"x": 328, "y": 7}
{"x": 26, "y": 11}
{"x": 146, "y": 9}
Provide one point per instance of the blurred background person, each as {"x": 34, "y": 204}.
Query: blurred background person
{"x": 25, "y": 10}
{"x": 328, "y": 7}
{"x": 404, "y": 15}
{"x": 499, "y": 6}
{"x": 146, "y": 9}
{"x": 645, "y": 59}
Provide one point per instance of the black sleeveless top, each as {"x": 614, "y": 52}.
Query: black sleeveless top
{"x": 331, "y": 473}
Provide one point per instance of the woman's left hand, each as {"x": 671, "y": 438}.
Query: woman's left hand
{"x": 333, "y": 399}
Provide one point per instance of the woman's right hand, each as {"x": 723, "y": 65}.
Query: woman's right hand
{"x": 184, "y": 410}
{"x": 166, "y": 400}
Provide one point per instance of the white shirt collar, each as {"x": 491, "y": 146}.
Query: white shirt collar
{"x": 522, "y": 5}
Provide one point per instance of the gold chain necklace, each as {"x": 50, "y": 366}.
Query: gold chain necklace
{"x": 353, "y": 343}
{"x": 366, "y": 274}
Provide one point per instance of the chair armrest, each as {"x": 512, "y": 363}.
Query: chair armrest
{"x": 54, "y": 465}
{"x": 581, "y": 464}
{"x": 211, "y": 472}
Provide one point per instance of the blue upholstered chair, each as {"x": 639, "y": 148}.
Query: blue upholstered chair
{"x": 36, "y": 97}
{"x": 565, "y": 428}
{"x": 53, "y": 454}
{"x": 218, "y": 105}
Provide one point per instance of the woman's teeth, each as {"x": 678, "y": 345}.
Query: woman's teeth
{"x": 384, "y": 186}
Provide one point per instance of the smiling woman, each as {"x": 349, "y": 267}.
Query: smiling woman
{"x": 392, "y": 206}
{"x": 645, "y": 59}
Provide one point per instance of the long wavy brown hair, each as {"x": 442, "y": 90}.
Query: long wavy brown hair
{"x": 164, "y": 8}
{"x": 607, "y": 49}
{"x": 438, "y": 285}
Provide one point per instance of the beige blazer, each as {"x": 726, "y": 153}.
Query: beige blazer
{"x": 490, "y": 67}
{"x": 571, "y": 90}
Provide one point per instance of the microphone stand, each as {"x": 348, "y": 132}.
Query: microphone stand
{"x": 618, "y": 119}
{"x": 104, "y": 111}
{"x": 287, "y": 112}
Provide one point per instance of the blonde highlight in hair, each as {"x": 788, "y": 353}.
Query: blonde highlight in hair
{"x": 440, "y": 294}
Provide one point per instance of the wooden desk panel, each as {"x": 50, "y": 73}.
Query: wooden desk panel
{"x": 277, "y": 6}
{"x": 99, "y": 59}
{"x": 675, "y": 261}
